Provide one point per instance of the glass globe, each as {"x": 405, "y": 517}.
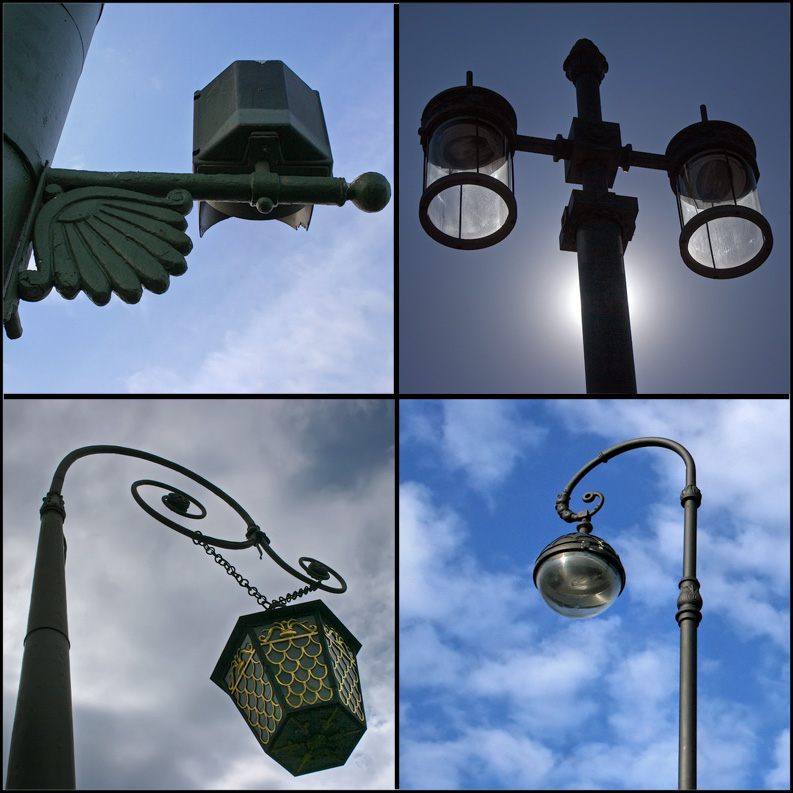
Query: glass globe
{"x": 577, "y": 582}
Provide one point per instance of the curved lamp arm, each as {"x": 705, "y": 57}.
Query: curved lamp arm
{"x": 179, "y": 502}
{"x": 690, "y": 498}
{"x": 689, "y": 602}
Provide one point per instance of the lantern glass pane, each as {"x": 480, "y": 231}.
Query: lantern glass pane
{"x": 715, "y": 179}
{"x": 467, "y": 144}
{"x": 468, "y": 211}
{"x": 720, "y": 180}
{"x": 250, "y": 687}
{"x": 293, "y": 648}
{"x": 726, "y": 242}
{"x": 345, "y": 668}
{"x": 578, "y": 584}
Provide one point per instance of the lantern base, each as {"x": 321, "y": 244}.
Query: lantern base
{"x": 720, "y": 267}
{"x": 315, "y": 739}
{"x": 477, "y": 211}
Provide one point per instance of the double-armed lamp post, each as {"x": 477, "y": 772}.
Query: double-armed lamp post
{"x": 469, "y": 136}
{"x": 291, "y": 671}
{"x": 580, "y": 575}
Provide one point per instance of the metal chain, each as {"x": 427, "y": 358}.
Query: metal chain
{"x": 261, "y": 599}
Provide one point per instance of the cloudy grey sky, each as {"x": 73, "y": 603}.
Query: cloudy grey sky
{"x": 262, "y": 308}
{"x": 499, "y": 692}
{"x": 149, "y": 612}
{"x": 506, "y": 319}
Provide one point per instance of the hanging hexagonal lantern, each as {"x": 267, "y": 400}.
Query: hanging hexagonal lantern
{"x": 293, "y": 675}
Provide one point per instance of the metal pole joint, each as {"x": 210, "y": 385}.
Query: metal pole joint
{"x": 691, "y": 493}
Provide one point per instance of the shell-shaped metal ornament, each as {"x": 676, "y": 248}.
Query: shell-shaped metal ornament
{"x": 103, "y": 239}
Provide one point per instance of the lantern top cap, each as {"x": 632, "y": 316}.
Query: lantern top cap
{"x": 468, "y": 100}
{"x": 581, "y": 543}
{"x": 296, "y": 611}
{"x": 710, "y": 136}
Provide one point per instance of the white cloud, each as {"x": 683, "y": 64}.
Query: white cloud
{"x": 483, "y": 438}
{"x": 778, "y": 778}
{"x": 428, "y": 540}
{"x": 486, "y": 437}
{"x": 325, "y": 325}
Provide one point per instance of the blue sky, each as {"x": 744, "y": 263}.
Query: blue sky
{"x": 506, "y": 319}
{"x": 150, "y": 613}
{"x": 262, "y": 308}
{"x": 497, "y": 691}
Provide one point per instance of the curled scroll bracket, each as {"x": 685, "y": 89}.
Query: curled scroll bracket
{"x": 585, "y": 515}
{"x": 180, "y": 502}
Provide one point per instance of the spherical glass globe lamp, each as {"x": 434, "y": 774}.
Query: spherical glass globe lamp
{"x": 579, "y": 575}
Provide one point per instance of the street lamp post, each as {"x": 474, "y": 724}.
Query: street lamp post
{"x": 469, "y": 138}
{"x": 580, "y": 576}
{"x": 291, "y": 671}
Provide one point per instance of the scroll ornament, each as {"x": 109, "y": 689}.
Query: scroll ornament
{"x": 104, "y": 240}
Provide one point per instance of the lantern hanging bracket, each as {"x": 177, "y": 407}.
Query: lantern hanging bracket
{"x": 314, "y": 573}
{"x": 584, "y": 517}
{"x": 116, "y": 233}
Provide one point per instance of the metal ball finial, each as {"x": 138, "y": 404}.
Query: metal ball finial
{"x": 370, "y": 192}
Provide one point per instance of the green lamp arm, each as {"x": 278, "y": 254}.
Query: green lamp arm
{"x": 117, "y": 232}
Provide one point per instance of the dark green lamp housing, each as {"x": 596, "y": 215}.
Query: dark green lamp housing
{"x": 293, "y": 675}
{"x": 259, "y": 116}
{"x": 579, "y": 575}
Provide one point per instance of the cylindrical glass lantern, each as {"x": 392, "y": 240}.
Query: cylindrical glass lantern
{"x": 292, "y": 672}
{"x": 713, "y": 173}
{"x": 468, "y": 137}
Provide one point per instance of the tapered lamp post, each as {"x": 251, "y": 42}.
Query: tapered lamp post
{"x": 290, "y": 670}
{"x": 580, "y": 575}
{"x": 469, "y": 136}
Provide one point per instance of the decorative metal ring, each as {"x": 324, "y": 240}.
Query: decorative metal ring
{"x": 179, "y": 502}
{"x": 319, "y": 571}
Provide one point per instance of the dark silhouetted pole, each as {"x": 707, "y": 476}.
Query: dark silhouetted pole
{"x": 41, "y": 755}
{"x": 602, "y": 225}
